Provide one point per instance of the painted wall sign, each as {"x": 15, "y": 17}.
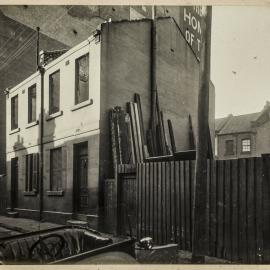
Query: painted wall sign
{"x": 192, "y": 23}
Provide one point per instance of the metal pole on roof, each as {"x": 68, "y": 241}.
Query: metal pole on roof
{"x": 199, "y": 205}
{"x": 38, "y": 29}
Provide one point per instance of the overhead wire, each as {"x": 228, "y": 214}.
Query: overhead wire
{"x": 13, "y": 55}
{"x": 18, "y": 52}
{"x": 10, "y": 39}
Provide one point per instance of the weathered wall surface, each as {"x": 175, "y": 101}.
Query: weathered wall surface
{"x": 75, "y": 124}
{"x": 126, "y": 69}
{"x": 177, "y": 81}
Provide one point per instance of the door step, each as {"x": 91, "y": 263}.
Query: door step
{"x": 12, "y": 214}
{"x": 74, "y": 222}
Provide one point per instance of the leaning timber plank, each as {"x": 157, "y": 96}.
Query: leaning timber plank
{"x": 126, "y": 138}
{"x": 172, "y": 139}
{"x": 150, "y": 143}
{"x": 167, "y": 148}
{"x": 118, "y": 135}
{"x": 138, "y": 126}
{"x": 191, "y": 134}
{"x": 112, "y": 126}
{"x": 134, "y": 131}
{"x": 137, "y": 99}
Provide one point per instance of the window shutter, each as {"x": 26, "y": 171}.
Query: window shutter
{"x": 35, "y": 172}
{"x": 46, "y": 168}
{"x": 64, "y": 167}
{"x": 22, "y": 171}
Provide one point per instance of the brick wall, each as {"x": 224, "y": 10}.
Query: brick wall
{"x": 126, "y": 69}
{"x": 237, "y": 140}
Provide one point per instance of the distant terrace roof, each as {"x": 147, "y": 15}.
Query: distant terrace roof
{"x": 236, "y": 124}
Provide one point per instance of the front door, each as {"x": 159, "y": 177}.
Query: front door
{"x": 81, "y": 178}
{"x": 14, "y": 182}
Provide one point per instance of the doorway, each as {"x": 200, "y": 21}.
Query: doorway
{"x": 81, "y": 194}
{"x": 14, "y": 183}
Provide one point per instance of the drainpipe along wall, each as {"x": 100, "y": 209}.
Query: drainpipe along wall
{"x": 41, "y": 133}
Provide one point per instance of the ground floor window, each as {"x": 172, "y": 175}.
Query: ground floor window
{"x": 56, "y": 169}
{"x": 31, "y": 172}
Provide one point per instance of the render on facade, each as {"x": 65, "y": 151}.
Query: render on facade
{"x": 80, "y": 88}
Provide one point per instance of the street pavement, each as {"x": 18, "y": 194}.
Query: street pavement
{"x": 22, "y": 225}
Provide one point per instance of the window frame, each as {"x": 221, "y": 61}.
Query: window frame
{"x": 77, "y": 78}
{"x": 12, "y": 113}
{"x": 50, "y": 92}
{"x": 31, "y": 172}
{"x": 227, "y": 153}
{"x": 242, "y": 150}
{"x": 30, "y": 112}
{"x": 59, "y": 170}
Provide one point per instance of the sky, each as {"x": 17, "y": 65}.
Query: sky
{"x": 240, "y": 58}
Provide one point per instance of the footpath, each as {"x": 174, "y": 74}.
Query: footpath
{"x": 24, "y": 225}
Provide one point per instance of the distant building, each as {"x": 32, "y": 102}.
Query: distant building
{"x": 80, "y": 88}
{"x": 243, "y": 136}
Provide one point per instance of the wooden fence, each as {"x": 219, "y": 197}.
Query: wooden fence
{"x": 237, "y": 212}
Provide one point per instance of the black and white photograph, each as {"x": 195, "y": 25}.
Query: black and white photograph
{"x": 134, "y": 134}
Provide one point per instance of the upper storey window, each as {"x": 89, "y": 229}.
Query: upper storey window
{"x": 32, "y": 103}
{"x": 82, "y": 79}
{"x": 14, "y": 112}
{"x": 54, "y": 94}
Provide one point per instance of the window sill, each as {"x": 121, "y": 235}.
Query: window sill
{"x": 30, "y": 193}
{"x": 54, "y": 115}
{"x": 245, "y": 152}
{"x": 82, "y": 104}
{"x": 14, "y": 131}
{"x": 229, "y": 154}
{"x": 55, "y": 193}
{"x": 32, "y": 124}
